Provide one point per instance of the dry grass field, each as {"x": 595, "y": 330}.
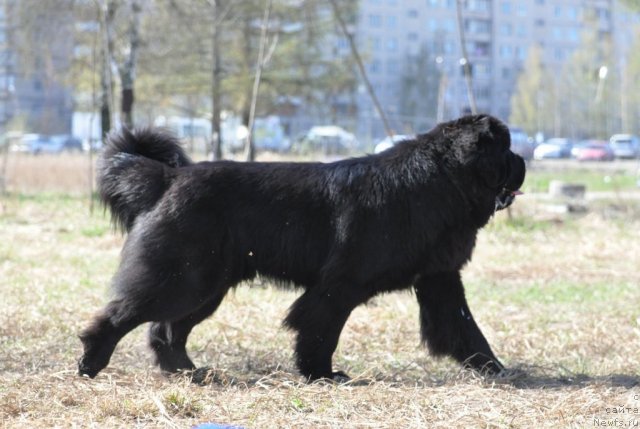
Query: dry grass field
{"x": 557, "y": 296}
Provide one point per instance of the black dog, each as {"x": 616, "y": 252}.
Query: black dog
{"x": 343, "y": 232}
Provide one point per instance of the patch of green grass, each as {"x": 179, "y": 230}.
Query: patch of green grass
{"x": 179, "y": 404}
{"x": 594, "y": 180}
{"x": 520, "y": 224}
{"x": 96, "y": 230}
{"x": 557, "y": 292}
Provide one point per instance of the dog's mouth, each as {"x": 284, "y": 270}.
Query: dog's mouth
{"x": 505, "y": 198}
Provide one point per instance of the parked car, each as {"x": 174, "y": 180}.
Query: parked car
{"x": 522, "y": 144}
{"x": 38, "y": 144}
{"x": 29, "y": 143}
{"x": 328, "y": 139}
{"x": 554, "y": 148}
{"x": 592, "y": 150}
{"x": 625, "y": 145}
{"x": 65, "y": 143}
{"x": 389, "y": 142}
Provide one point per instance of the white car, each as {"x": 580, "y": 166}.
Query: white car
{"x": 555, "y": 148}
{"x": 329, "y": 139}
{"x": 388, "y": 142}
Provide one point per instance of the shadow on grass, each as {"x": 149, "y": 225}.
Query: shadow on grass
{"x": 520, "y": 377}
{"x": 533, "y": 377}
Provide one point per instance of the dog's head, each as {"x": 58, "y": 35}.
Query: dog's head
{"x": 481, "y": 144}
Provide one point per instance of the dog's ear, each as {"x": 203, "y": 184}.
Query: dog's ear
{"x": 493, "y": 135}
{"x": 477, "y": 134}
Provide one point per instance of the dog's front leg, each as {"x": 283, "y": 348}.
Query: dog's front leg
{"x": 447, "y": 326}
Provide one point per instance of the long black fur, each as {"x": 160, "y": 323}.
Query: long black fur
{"x": 343, "y": 232}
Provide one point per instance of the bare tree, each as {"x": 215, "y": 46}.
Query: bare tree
{"x": 466, "y": 66}
{"x": 124, "y": 52}
{"x": 216, "y": 81}
{"x": 250, "y": 148}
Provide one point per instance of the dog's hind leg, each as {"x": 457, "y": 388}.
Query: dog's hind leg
{"x": 168, "y": 339}
{"x": 318, "y": 316}
{"x": 447, "y": 325}
{"x": 140, "y": 299}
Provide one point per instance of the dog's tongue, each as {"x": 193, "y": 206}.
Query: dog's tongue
{"x": 516, "y": 193}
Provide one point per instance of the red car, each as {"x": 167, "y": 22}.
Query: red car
{"x": 594, "y": 150}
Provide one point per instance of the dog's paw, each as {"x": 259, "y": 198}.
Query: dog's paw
{"x": 340, "y": 377}
{"x": 86, "y": 370}
{"x": 336, "y": 377}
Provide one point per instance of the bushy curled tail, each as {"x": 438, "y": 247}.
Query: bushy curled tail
{"x": 135, "y": 169}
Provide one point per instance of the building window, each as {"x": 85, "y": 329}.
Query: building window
{"x": 449, "y": 25}
{"x": 391, "y": 21}
{"x": 412, "y": 36}
{"x": 478, "y": 5}
{"x": 540, "y": 22}
{"x": 506, "y": 29}
{"x": 572, "y": 34}
{"x": 479, "y": 48}
{"x": 392, "y": 44}
{"x": 557, "y": 11}
{"x": 506, "y": 51}
{"x": 521, "y": 53}
{"x": 506, "y": 8}
{"x": 413, "y": 13}
{"x": 478, "y": 26}
{"x": 432, "y": 3}
{"x": 374, "y": 66}
{"x": 558, "y": 54}
{"x": 375, "y": 43}
{"x": 482, "y": 69}
{"x": 483, "y": 92}
{"x": 448, "y": 47}
{"x": 375, "y": 20}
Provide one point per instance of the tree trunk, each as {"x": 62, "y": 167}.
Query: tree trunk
{"x": 216, "y": 96}
{"x": 249, "y": 151}
{"x": 128, "y": 68}
{"x": 127, "y": 107}
{"x": 466, "y": 66}
{"x": 106, "y": 18}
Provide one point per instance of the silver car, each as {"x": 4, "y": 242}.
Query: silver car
{"x": 625, "y": 145}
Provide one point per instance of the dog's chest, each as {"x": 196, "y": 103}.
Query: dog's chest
{"x": 452, "y": 250}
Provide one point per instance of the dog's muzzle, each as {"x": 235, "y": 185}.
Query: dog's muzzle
{"x": 505, "y": 198}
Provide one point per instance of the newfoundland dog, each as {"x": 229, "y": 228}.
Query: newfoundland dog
{"x": 342, "y": 232}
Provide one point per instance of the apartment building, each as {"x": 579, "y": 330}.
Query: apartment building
{"x": 33, "y": 64}
{"x": 7, "y": 66}
{"x": 394, "y": 35}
